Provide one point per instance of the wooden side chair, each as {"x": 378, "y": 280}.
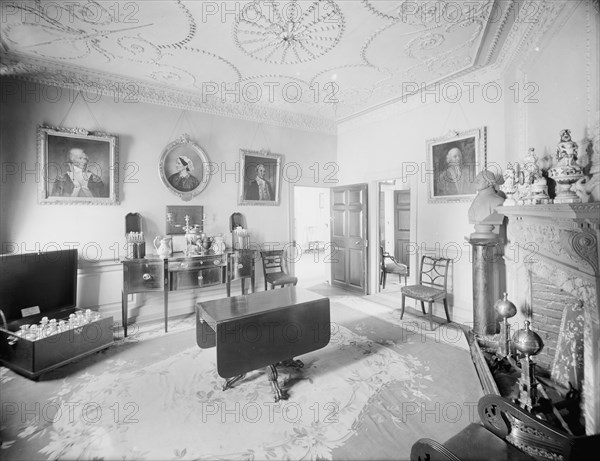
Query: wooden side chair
{"x": 274, "y": 269}
{"x": 389, "y": 265}
{"x": 432, "y": 286}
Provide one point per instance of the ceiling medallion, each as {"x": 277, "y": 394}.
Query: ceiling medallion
{"x": 290, "y": 32}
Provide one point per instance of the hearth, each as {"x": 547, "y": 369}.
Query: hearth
{"x": 558, "y": 405}
{"x": 552, "y": 277}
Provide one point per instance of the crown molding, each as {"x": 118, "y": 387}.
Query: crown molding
{"x": 407, "y": 103}
{"x": 131, "y": 91}
{"x": 529, "y": 29}
{"x": 524, "y": 36}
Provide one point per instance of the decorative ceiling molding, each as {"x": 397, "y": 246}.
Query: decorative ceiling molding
{"x": 534, "y": 20}
{"x": 290, "y": 35}
{"x": 499, "y": 16}
{"x": 329, "y": 60}
{"x": 524, "y": 35}
{"x": 505, "y": 20}
{"x": 130, "y": 91}
{"x": 489, "y": 75}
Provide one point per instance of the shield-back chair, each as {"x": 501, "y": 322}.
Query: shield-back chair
{"x": 431, "y": 287}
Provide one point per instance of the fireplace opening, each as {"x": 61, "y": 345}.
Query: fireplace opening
{"x": 557, "y": 318}
{"x": 555, "y": 404}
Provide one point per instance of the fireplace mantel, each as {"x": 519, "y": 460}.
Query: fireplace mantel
{"x": 560, "y": 244}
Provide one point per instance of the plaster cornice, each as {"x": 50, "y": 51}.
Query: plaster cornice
{"x": 525, "y": 34}
{"x": 132, "y": 91}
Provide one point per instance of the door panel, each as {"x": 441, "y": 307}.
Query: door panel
{"x": 402, "y": 226}
{"x": 349, "y": 237}
{"x": 338, "y": 197}
{"x": 355, "y": 219}
{"x": 357, "y": 270}
{"x": 339, "y": 221}
{"x": 355, "y": 197}
{"x": 338, "y": 264}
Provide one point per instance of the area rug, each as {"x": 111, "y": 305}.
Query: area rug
{"x": 370, "y": 394}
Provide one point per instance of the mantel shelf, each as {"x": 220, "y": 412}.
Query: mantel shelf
{"x": 578, "y": 212}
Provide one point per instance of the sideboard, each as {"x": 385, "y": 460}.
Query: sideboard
{"x": 154, "y": 274}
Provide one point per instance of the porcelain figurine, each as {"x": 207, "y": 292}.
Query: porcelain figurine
{"x": 533, "y": 176}
{"x": 566, "y": 172}
{"x": 509, "y": 187}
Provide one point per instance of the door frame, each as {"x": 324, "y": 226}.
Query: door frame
{"x": 411, "y": 184}
{"x": 292, "y": 219}
{"x": 365, "y": 263}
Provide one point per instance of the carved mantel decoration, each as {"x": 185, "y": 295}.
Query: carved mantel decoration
{"x": 559, "y": 242}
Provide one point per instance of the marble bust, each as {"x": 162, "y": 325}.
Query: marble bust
{"x": 482, "y": 212}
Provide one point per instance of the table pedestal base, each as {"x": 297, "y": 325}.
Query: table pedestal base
{"x": 280, "y": 394}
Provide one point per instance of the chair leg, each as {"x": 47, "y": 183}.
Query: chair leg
{"x": 430, "y": 315}
{"x": 423, "y": 307}
{"x": 266, "y": 287}
{"x": 384, "y": 278}
{"x": 403, "y": 301}
{"x": 446, "y": 309}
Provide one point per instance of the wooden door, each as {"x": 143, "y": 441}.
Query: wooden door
{"x": 349, "y": 237}
{"x": 402, "y": 226}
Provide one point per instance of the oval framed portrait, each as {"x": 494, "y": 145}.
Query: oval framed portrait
{"x": 184, "y": 168}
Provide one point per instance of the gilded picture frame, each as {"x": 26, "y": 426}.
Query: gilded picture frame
{"x": 78, "y": 167}
{"x": 260, "y": 181}
{"x": 453, "y": 162}
{"x": 184, "y": 168}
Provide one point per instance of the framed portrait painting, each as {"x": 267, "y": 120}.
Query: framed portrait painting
{"x": 260, "y": 181}
{"x": 77, "y": 166}
{"x": 184, "y": 168}
{"x": 453, "y": 162}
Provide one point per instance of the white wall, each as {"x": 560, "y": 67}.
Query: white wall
{"x": 391, "y": 143}
{"x": 562, "y": 92}
{"x": 144, "y": 130}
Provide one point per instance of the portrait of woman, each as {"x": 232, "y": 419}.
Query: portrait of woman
{"x": 183, "y": 168}
{"x": 183, "y": 180}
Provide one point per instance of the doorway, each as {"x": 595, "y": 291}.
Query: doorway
{"x": 311, "y": 220}
{"x": 395, "y": 227}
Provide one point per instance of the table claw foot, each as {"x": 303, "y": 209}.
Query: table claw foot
{"x": 291, "y": 363}
{"x": 280, "y": 394}
{"x": 231, "y": 381}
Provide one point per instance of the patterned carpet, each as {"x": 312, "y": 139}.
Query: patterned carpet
{"x": 379, "y": 385}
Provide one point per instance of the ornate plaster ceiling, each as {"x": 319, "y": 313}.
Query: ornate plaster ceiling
{"x": 323, "y": 59}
